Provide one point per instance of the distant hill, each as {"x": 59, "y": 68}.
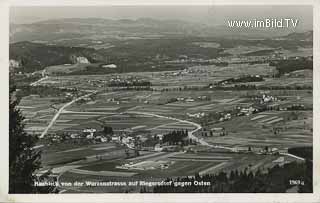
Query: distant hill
{"x": 59, "y": 30}
{"x": 306, "y": 36}
{"x": 34, "y": 56}
{"x": 60, "y": 59}
{"x": 102, "y": 28}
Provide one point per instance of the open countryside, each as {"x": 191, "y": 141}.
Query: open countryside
{"x": 157, "y": 108}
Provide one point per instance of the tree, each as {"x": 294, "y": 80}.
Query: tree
{"x": 127, "y": 153}
{"x": 136, "y": 152}
{"x": 108, "y": 130}
{"x": 23, "y": 160}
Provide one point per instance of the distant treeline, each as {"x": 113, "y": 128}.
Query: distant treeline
{"x": 174, "y": 137}
{"x": 259, "y": 52}
{"x": 275, "y": 180}
{"x": 34, "y": 57}
{"x": 42, "y": 91}
{"x": 124, "y": 67}
{"x": 146, "y": 49}
{"x": 290, "y": 65}
{"x": 237, "y": 87}
{"x": 285, "y": 44}
{"x": 130, "y": 84}
{"x": 273, "y": 87}
{"x": 247, "y": 78}
{"x": 137, "y": 55}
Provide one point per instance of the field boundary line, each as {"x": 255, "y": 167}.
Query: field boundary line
{"x": 61, "y": 110}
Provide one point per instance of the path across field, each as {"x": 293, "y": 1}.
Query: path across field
{"x": 61, "y": 110}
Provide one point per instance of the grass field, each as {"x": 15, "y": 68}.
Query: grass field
{"x": 64, "y": 154}
{"x": 257, "y": 130}
{"x": 211, "y": 163}
{"x": 123, "y": 111}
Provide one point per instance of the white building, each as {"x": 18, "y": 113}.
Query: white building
{"x": 158, "y": 148}
{"x": 81, "y": 59}
{"x": 90, "y": 132}
{"x": 14, "y": 63}
{"x": 112, "y": 66}
{"x": 115, "y": 138}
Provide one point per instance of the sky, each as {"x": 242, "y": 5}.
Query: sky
{"x": 213, "y": 15}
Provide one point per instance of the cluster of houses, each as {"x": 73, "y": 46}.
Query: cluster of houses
{"x": 246, "y": 111}
{"x": 129, "y": 141}
{"x": 258, "y": 150}
{"x": 196, "y": 115}
{"x": 146, "y": 165}
{"x": 128, "y": 80}
{"x": 239, "y": 58}
{"x": 225, "y": 117}
{"x": 191, "y": 99}
{"x": 267, "y": 98}
{"x": 165, "y": 147}
{"x": 213, "y": 132}
{"x": 14, "y": 64}
{"x": 88, "y": 134}
{"x": 79, "y": 59}
{"x": 91, "y": 134}
{"x": 176, "y": 73}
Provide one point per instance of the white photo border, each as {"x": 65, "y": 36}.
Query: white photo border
{"x": 186, "y": 198}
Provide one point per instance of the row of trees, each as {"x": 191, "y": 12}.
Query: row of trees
{"x": 130, "y": 83}
{"x": 245, "y": 78}
{"x": 175, "y": 137}
{"x": 44, "y": 91}
{"x": 235, "y": 87}
{"x": 290, "y": 65}
{"x": 275, "y": 180}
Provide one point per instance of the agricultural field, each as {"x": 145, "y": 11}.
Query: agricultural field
{"x": 38, "y": 111}
{"x": 110, "y": 127}
{"x": 157, "y": 166}
{"x": 60, "y": 155}
{"x": 190, "y": 76}
{"x": 258, "y": 130}
{"x": 135, "y": 97}
{"x": 238, "y": 50}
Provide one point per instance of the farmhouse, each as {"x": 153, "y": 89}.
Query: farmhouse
{"x": 213, "y": 132}
{"x": 247, "y": 111}
{"x": 74, "y": 136}
{"x": 158, "y": 148}
{"x": 115, "y": 138}
{"x": 225, "y": 117}
{"x": 160, "y": 136}
{"x": 14, "y": 63}
{"x": 241, "y": 149}
{"x": 81, "y": 59}
{"x": 189, "y": 100}
{"x": 89, "y": 132}
{"x": 127, "y": 140}
{"x": 196, "y": 115}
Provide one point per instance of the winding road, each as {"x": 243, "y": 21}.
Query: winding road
{"x": 198, "y": 127}
{"x": 61, "y": 110}
{"x": 190, "y": 133}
